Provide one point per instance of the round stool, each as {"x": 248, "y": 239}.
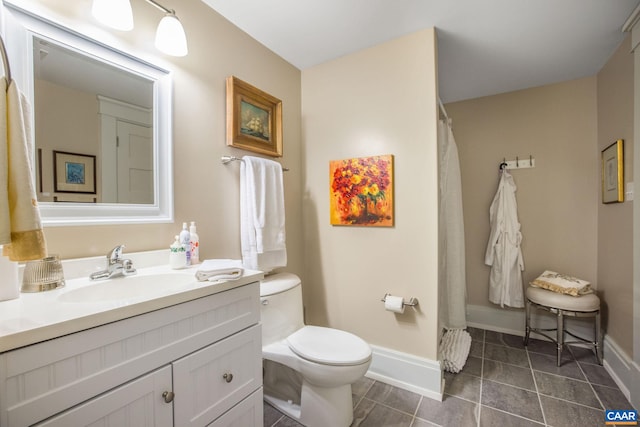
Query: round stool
{"x": 564, "y": 305}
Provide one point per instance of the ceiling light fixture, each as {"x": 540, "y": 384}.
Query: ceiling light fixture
{"x": 114, "y": 13}
{"x": 170, "y": 35}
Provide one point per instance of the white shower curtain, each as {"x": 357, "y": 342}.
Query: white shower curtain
{"x": 451, "y": 272}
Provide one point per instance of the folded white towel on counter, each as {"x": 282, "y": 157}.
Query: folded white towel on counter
{"x": 454, "y": 349}
{"x": 219, "y": 269}
{"x": 562, "y": 284}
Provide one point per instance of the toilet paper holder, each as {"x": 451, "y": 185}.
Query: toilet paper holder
{"x": 412, "y": 301}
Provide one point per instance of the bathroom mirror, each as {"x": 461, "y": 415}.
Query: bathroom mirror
{"x": 101, "y": 124}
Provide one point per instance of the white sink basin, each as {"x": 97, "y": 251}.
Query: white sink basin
{"x": 129, "y": 287}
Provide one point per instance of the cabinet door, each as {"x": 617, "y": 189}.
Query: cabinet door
{"x": 211, "y": 381}
{"x": 247, "y": 413}
{"x": 138, "y": 403}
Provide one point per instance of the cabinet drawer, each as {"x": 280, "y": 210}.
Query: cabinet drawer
{"x": 44, "y": 379}
{"x": 247, "y": 413}
{"x": 211, "y": 381}
{"x": 138, "y": 403}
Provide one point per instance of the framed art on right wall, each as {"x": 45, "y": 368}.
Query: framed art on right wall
{"x": 613, "y": 173}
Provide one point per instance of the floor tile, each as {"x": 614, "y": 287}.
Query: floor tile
{"x": 287, "y": 422}
{"x": 511, "y": 399}
{"x": 372, "y": 414}
{"x": 508, "y": 374}
{"x": 476, "y": 349}
{"x": 271, "y": 415}
{"x": 566, "y": 389}
{"x": 490, "y": 417}
{"x": 417, "y": 422}
{"x": 476, "y": 334}
{"x": 452, "y": 411}
{"x": 394, "y": 397}
{"x": 549, "y": 348}
{"x": 462, "y": 385}
{"x": 546, "y": 363}
{"x": 473, "y": 366}
{"x": 504, "y": 354}
{"x": 504, "y": 339}
{"x": 560, "y": 413}
{"x": 612, "y": 398}
{"x": 597, "y": 374}
{"x": 360, "y": 388}
{"x": 584, "y": 354}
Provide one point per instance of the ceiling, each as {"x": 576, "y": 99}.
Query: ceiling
{"x": 485, "y": 47}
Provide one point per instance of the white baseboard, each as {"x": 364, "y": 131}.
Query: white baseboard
{"x": 408, "y": 372}
{"x": 619, "y": 365}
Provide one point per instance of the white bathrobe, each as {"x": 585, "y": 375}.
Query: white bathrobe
{"x": 503, "y": 250}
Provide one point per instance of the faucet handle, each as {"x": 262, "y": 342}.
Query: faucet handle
{"x": 115, "y": 254}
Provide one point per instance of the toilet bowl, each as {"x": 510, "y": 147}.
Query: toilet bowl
{"x": 308, "y": 370}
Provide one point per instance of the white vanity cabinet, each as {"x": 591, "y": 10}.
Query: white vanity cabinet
{"x": 196, "y": 363}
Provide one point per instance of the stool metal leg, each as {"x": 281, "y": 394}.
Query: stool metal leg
{"x": 527, "y": 327}
{"x": 598, "y": 338}
{"x": 560, "y": 333}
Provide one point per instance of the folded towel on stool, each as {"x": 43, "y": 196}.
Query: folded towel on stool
{"x": 219, "y": 269}
{"x": 562, "y": 284}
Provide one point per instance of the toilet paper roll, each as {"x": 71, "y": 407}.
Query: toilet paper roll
{"x": 394, "y": 304}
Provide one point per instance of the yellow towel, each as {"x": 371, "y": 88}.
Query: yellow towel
{"x": 27, "y": 241}
{"x": 562, "y": 284}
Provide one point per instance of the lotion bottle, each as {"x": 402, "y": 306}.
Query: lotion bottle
{"x": 184, "y": 240}
{"x": 194, "y": 241}
{"x": 177, "y": 255}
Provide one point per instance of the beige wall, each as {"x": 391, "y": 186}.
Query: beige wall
{"x": 205, "y": 190}
{"x": 557, "y": 199}
{"x": 381, "y": 100}
{"x": 615, "y": 221}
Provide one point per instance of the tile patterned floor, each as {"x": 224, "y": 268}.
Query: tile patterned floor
{"x": 502, "y": 384}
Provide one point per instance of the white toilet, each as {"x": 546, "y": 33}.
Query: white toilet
{"x": 308, "y": 370}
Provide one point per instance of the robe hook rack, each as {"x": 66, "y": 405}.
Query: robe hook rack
{"x": 517, "y": 163}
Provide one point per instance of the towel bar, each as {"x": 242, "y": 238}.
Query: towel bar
{"x": 229, "y": 159}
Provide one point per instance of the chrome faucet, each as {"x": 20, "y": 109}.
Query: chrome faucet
{"x": 116, "y": 266}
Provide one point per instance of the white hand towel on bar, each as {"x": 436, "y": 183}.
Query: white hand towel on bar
{"x": 20, "y": 230}
{"x": 262, "y": 222}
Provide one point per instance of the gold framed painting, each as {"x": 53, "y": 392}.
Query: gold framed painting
{"x": 361, "y": 191}
{"x": 254, "y": 119}
{"x": 613, "y": 173}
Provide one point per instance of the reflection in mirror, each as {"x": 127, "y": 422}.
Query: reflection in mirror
{"x": 88, "y": 108}
{"x": 102, "y": 126}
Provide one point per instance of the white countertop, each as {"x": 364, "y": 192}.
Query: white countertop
{"x": 35, "y": 317}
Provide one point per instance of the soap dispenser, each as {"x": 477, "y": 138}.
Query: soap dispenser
{"x": 177, "y": 255}
{"x": 184, "y": 240}
{"x": 194, "y": 244}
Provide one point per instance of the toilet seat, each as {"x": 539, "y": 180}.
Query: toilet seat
{"x": 329, "y": 346}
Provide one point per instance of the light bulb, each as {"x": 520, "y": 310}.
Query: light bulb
{"x": 114, "y": 13}
{"x": 170, "y": 36}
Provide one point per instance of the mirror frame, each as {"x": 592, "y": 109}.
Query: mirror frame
{"x": 19, "y": 39}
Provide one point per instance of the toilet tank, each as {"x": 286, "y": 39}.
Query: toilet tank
{"x": 281, "y": 306}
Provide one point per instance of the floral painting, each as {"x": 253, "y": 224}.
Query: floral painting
{"x": 361, "y": 191}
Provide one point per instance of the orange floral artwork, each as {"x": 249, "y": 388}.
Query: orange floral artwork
{"x": 361, "y": 191}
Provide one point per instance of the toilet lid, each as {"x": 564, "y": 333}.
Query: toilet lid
{"x": 329, "y": 346}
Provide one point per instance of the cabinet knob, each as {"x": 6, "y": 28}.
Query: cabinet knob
{"x": 228, "y": 377}
{"x": 168, "y": 396}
